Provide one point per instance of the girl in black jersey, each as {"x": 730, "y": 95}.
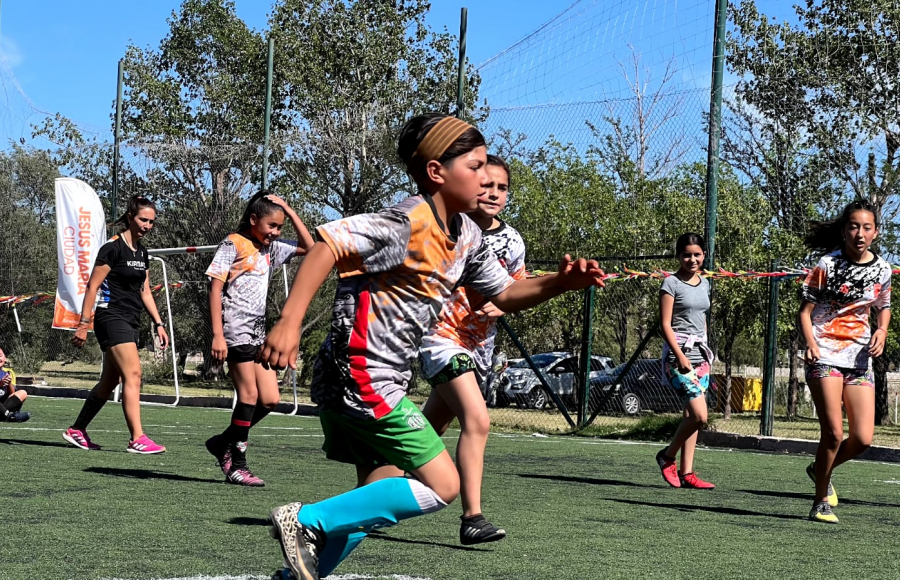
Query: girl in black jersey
{"x": 121, "y": 278}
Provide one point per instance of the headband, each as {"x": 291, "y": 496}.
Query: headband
{"x": 435, "y": 144}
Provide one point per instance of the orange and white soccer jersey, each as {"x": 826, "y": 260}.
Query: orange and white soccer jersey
{"x": 246, "y": 270}
{"x": 397, "y": 269}
{"x": 460, "y": 329}
{"x": 843, "y": 292}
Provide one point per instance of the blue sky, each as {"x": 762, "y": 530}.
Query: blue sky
{"x": 63, "y": 54}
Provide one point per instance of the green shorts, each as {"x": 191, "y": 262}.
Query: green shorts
{"x": 403, "y": 438}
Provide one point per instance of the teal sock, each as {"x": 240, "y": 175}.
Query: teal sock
{"x": 378, "y": 505}
{"x": 336, "y": 551}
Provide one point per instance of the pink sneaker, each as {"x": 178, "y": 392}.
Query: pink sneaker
{"x": 690, "y": 480}
{"x": 143, "y": 445}
{"x": 80, "y": 439}
{"x": 668, "y": 468}
{"x": 243, "y": 476}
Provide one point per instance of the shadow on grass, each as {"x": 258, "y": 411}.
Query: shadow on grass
{"x": 650, "y": 428}
{"x": 808, "y": 497}
{"x": 147, "y": 474}
{"x": 701, "y": 508}
{"x": 249, "y": 521}
{"x": 379, "y": 535}
{"x": 33, "y": 442}
{"x": 589, "y": 480}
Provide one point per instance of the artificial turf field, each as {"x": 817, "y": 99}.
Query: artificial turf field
{"x": 573, "y": 508}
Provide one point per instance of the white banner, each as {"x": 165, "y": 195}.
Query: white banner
{"x": 80, "y": 231}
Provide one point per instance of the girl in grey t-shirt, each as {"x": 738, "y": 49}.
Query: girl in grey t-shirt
{"x": 683, "y": 306}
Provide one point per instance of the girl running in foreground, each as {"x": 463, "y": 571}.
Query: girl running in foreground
{"x": 456, "y": 356}
{"x": 397, "y": 268}
{"x": 120, "y": 275}
{"x": 683, "y": 306}
{"x": 239, "y": 285}
{"x": 834, "y": 317}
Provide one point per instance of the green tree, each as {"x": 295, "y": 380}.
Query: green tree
{"x": 28, "y": 261}
{"x": 351, "y": 74}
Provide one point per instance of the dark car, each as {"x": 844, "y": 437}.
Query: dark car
{"x": 642, "y": 389}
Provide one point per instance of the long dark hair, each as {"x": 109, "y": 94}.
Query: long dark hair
{"x": 135, "y": 205}
{"x": 415, "y": 130}
{"x": 689, "y": 239}
{"x": 260, "y": 206}
{"x": 828, "y": 236}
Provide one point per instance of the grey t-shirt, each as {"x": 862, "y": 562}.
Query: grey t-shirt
{"x": 689, "y": 311}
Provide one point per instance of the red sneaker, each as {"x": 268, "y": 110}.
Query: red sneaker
{"x": 669, "y": 471}
{"x": 691, "y": 481}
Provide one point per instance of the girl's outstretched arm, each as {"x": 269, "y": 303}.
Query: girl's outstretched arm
{"x": 572, "y": 275}
{"x": 283, "y": 342}
{"x": 305, "y": 240}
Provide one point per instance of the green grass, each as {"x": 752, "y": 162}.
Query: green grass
{"x": 574, "y": 507}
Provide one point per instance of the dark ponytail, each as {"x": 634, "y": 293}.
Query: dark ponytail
{"x": 135, "y": 205}
{"x": 260, "y": 206}
{"x": 828, "y": 236}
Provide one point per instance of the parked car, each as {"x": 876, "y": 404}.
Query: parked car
{"x": 521, "y": 386}
{"x": 643, "y": 388}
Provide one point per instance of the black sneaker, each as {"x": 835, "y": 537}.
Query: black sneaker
{"x": 477, "y": 530}
{"x": 221, "y": 451}
{"x": 300, "y": 545}
{"x": 18, "y": 417}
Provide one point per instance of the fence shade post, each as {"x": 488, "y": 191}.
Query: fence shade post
{"x": 114, "y": 200}
{"x": 268, "y": 117}
{"x": 583, "y": 381}
{"x": 767, "y": 420}
{"x": 461, "y": 68}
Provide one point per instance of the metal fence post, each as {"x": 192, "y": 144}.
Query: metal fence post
{"x": 461, "y": 66}
{"x": 771, "y": 349}
{"x": 584, "y": 376}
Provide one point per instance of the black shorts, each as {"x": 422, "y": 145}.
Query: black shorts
{"x": 111, "y": 331}
{"x": 241, "y": 353}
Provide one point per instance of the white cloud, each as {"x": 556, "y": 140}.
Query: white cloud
{"x": 10, "y": 52}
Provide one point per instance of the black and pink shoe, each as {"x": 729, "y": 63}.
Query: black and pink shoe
{"x": 221, "y": 450}
{"x": 243, "y": 476}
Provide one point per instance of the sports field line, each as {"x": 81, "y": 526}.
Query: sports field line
{"x": 332, "y": 577}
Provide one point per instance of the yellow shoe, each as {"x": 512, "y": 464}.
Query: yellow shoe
{"x": 821, "y": 512}
{"x": 832, "y": 494}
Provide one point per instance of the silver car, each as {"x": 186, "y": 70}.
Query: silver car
{"x": 522, "y": 387}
